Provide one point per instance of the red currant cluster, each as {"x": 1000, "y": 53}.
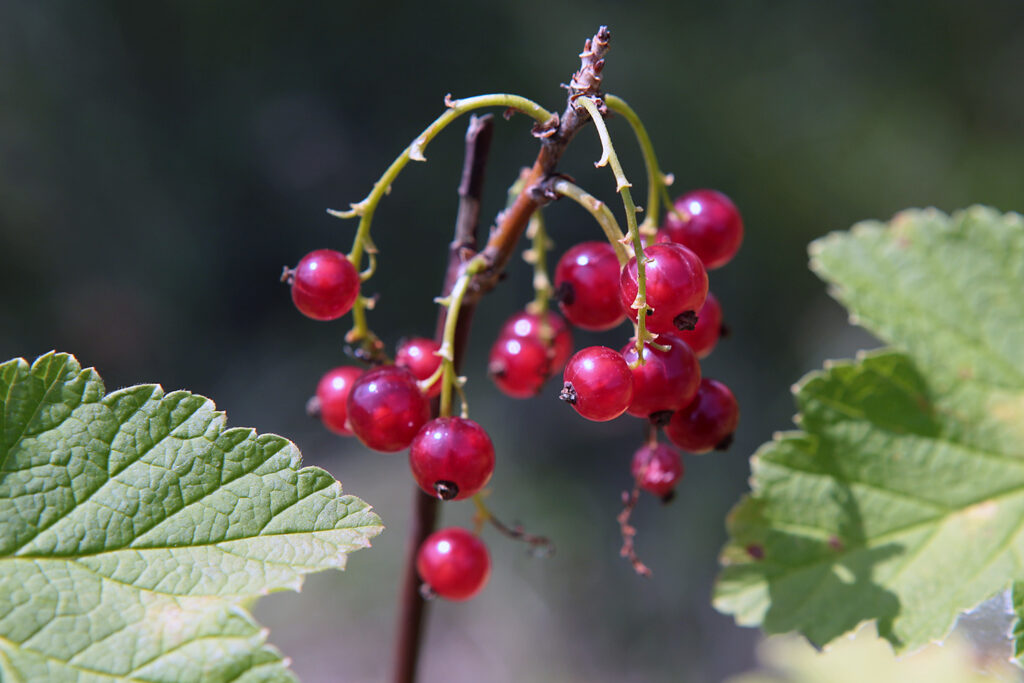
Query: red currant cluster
{"x": 595, "y": 293}
{"x": 452, "y": 458}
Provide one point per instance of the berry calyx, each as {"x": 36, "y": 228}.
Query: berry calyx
{"x": 418, "y": 355}
{"x": 597, "y": 383}
{"x": 711, "y": 226}
{"x": 386, "y": 408}
{"x": 325, "y": 284}
{"x": 519, "y": 365}
{"x": 666, "y": 381}
{"x": 332, "y": 397}
{"x": 549, "y": 329}
{"x": 451, "y": 458}
{"x": 586, "y": 283}
{"x": 708, "y": 422}
{"x": 704, "y": 336}
{"x": 657, "y": 469}
{"x": 454, "y": 563}
{"x": 677, "y": 285}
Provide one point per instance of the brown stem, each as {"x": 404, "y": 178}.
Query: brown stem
{"x": 501, "y": 244}
{"x": 629, "y": 500}
{"x": 413, "y": 607}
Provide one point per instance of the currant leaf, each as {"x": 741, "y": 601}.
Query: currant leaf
{"x": 135, "y": 529}
{"x": 902, "y": 498}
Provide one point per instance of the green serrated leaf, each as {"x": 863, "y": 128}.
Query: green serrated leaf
{"x": 134, "y": 527}
{"x": 901, "y": 500}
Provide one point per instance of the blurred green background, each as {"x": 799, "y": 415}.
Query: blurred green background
{"x": 160, "y": 162}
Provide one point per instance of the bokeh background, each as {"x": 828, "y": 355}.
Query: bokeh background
{"x": 160, "y": 162}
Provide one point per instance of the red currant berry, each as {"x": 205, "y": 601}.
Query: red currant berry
{"x": 451, "y": 458}
{"x": 586, "y": 280}
{"x": 557, "y": 336}
{"x": 704, "y": 336}
{"x": 677, "y": 285}
{"x": 519, "y": 365}
{"x": 667, "y": 380}
{"x": 454, "y": 563}
{"x": 708, "y": 422}
{"x": 417, "y": 354}
{"x": 325, "y": 284}
{"x": 657, "y": 469}
{"x": 598, "y": 383}
{"x": 332, "y": 397}
{"x": 710, "y": 226}
{"x": 386, "y": 408}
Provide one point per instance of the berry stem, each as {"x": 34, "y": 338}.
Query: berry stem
{"x": 610, "y": 158}
{"x": 537, "y": 256}
{"x": 453, "y": 304}
{"x": 540, "y": 545}
{"x": 601, "y": 213}
{"x": 414, "y": 152}
{"x": 657, "y": 182}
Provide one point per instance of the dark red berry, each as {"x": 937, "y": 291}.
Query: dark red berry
{"x": 598, "y": 383}
{"x": 704, "y": 336}
{"x": 418, "y": 355}
{"x": 667, "y": 380}
{"x": 556, "y": 336}
{"x": 587, "y": 283}
{"x": 657, "y": 469}
{"x": 519, "y": 365}
{"x": 332, "y": 396}
{"x": 710, "y": 226}
{"x": 677, "y": 285}
{"x": 451, "y": 458}
{"x": 325, "y": 284}
{"x": 708, "y": 422}
{"x": 386, "y": 408}
{"x": 454, "y": 563}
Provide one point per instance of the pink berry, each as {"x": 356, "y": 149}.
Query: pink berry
{"x": 711, "y": 226}
{"x": 704, "y": 336}
{"x": 325, "y": 284}
{"x": 677, "y": 285}
{"x": 454, "y": 563}
{"x": 332, "y": 395}
{"x": 586, "y": 280}
{"x": 598, "y": 383}
{"x": 557, "y": 336}
{"x": 386, "y": 408}
{"x": 451, "y": 458}
{"x": 519, "y": 365}
{"x": 708, "y": 422}
{"x": 418, "y": 355}
{"x": 657, "y": 469}
{"x": 667, "y": 380}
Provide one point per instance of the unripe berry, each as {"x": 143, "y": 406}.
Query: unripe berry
{"x": 454, "y": 563}
{"x": 386, "y": 408}
{"x": 325, "y": 284}
{"x": 451, "y": 458}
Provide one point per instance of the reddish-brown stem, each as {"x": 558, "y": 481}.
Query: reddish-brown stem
{"x": 424, "y": 519}
{"x": 504, "y": 236}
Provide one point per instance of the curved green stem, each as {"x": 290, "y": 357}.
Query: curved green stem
{"x": 537, "y": 256}
{"x": 414, "y": 152}
{"x": 609, "y": 157}
{"x": 657, "y": 182}
{"x": 599, "y": 210}
{"x": 453, "y": 303}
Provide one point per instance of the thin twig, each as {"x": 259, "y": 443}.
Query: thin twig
{"x": 629, "y": 500}
{"x": 412, "y": 608}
